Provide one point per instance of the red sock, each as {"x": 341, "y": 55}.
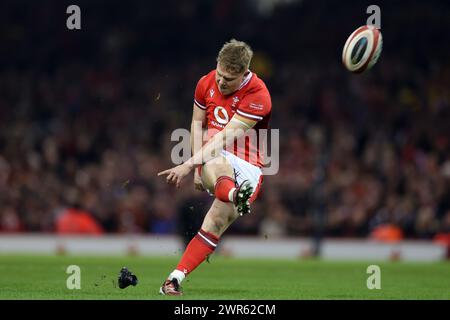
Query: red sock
{"x": 202, "y": 245}
{"x": 223, "y": 187}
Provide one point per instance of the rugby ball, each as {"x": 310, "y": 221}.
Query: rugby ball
{"x": 362, "y": 49}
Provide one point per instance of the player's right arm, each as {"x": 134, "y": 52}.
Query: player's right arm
{"x": 198, "y": 126}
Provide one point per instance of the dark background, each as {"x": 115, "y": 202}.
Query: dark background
{"x": 86, "y": 115}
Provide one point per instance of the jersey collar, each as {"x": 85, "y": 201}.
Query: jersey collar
{"x": 246, "y": 80}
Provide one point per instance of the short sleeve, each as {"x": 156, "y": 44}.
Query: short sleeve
{"x": 255, "y": 107}
{"x": 199, "y": 97}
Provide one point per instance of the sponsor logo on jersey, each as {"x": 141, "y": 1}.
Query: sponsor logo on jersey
{"x": 211, "y": 92}
{"x": 256, "y": 106}
{"x": 221, "y": 115}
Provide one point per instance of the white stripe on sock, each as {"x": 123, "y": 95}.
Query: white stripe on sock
{"x": 177, "y": 274}
{"x": 231, "y": 194}
{"x": 207, "y": 240}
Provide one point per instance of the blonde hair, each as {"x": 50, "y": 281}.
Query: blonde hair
{"x": 235, "y": 56}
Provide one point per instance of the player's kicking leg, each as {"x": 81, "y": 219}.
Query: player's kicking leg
{"x": 231, "y": 201}
{"x": 219, "y": 175}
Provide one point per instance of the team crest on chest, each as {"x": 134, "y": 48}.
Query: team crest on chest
{"x": 235, "y": 100}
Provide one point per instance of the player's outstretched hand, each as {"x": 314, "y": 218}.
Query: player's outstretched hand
{"x": 176, "y": 174}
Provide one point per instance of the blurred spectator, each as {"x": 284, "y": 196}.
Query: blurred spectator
{"x": 10, "y": 221}
{"x": 387, "y": 233}
{"x": 75, "y": 221}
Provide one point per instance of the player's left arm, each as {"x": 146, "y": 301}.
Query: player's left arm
{"x": 234, "y": 129}
{"x": 252, "y": 109}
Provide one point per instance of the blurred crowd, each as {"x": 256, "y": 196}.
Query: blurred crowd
{"x": 86, "y": 118}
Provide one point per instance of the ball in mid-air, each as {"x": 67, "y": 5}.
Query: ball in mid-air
{"x": 362, "y": 49}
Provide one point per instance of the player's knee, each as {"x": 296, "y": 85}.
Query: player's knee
{"x": 216, "y": 168}
{"x": 212, "y": 171}
{"x": 206, "y": 176}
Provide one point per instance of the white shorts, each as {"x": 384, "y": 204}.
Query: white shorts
{"x": 244, "y": 170}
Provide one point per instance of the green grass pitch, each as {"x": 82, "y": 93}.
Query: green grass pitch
{"x": 44, "y": 277}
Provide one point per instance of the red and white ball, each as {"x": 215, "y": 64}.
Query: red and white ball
{"x": 362, "y": 49}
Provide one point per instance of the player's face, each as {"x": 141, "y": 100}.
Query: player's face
{"x": 228, "y": 82}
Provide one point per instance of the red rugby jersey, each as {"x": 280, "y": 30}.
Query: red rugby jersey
{"x": 252, "y": 101}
